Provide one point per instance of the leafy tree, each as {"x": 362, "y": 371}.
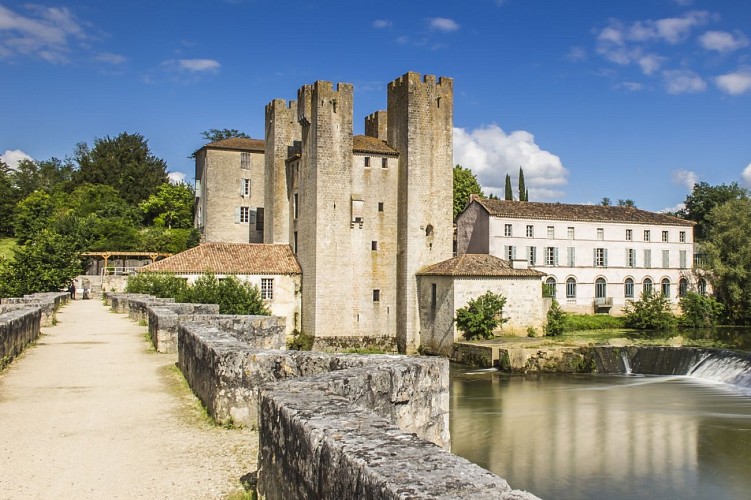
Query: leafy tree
{"x": 115, "y": 233}
{"x": 45, "y": 264}
{"x": 165, "y": 285}
{"x": 703, "y": 199}
{"x": 700, "y": 311}
{"x": 651, "y": 312}
{"x": 509, "y": 193}
{"x": 7, "y": 200}
{"x": 213, "y": 134}
{"x": 481, "y": 316}
{"x": 465, "y": 184}
{"x": 627, "y": 203}
{"x": 605, "y": 202}
{"x": 123, "y": 162}
{"x": 33, "y": 214}
{"x": 171, "y": 206}
{"x": 556, "y": 320}
{"x": 728, "y": 249}
{"x": 103, "y": 201}
{"x": 523, "y": 193}
{"x": 47, "y": 175}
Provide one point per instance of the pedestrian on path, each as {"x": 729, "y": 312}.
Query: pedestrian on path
{"x": 72, "y": 290}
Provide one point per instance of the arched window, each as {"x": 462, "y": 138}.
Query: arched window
{"x": 683, "y": 287}
{"x": 571, "y": 288}
{"x": 628, "y": 288}
{"x": 702, "y": 286}
{"x": 601, "y": 288}
{"x": 549, "y": 287}
{"x": 665, "y": 287}
{"x": 647, "y": 285}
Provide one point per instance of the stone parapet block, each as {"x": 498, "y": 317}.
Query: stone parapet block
{"x": 17, "y": 330}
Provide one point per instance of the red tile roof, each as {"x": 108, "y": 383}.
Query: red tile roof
{"x": 367, "y": 144}
{"x": 586, "y": 213}
{"x": 229, "y": 258}
{"x": 470, "y": 264}
{"x": 238, "y": 143}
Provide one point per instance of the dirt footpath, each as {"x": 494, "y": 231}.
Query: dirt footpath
{"x": 92, "y": 411}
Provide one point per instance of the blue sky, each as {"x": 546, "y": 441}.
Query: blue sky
{"x": 623, "y": 99}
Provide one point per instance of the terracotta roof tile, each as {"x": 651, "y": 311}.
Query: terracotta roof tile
{"x": 566, "y": 212}
{"x": 367, "y": 144}
{"x": 238, "y": 143}
{"x": 470, "y": 264}
{"x": 230, "y": 258}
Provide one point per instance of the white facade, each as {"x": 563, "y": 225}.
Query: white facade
{"x": 596, "y": 264}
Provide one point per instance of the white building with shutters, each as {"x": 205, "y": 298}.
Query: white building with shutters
{"x": 595, "y": 257}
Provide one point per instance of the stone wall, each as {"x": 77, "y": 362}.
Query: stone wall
{"x": 48, "y": 303}
{"x": 165, "y": 319}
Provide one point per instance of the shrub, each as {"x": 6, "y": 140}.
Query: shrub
{"x": 481, "y": 316}
{"x": 159, "y": 285}
{"x": 556, "y": 320}
{"x": 579, "y": 322}
{"x": 699, "y": 311}
{"x": 300, "y": 341}
{"x": 651, "y": 312}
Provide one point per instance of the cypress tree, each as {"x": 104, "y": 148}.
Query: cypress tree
{"x": 522, "y": 187}
{"x": 509, "y": 192}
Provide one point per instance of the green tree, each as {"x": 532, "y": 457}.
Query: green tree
{"x": 509, "y": 192}
{"x": 605, "y": 202}
{"x": 45, "y": 264}
{"x": 33, "y": 214}
{"x": 523, "y": 193}
{"x": 699, "y": 311}
{"x": 465, "y": 184}
{"x": 214, "y": 134}
{"x": 728, "y": 249}
{"x": 556, "y": 320}
{"x": 123, "y": 162}
{"x": 164, "y": 285}
{"x": 481, "y": 316}
{"x": 7, "y": 201}
{"x": 103, "y": 201}
{"x": 651, "y": 312}
{"x": 171, "y": 206}
{"x": 47, "y": 175}
{"x": 160, "y": 239}
{"x": 627, "y": 203}
{"x": 703, "y": 199}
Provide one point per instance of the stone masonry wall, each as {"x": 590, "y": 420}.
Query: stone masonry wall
{"x": 21, "y": 319}
{"x": 164, "y": 321}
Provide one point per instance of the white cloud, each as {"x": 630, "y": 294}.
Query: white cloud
{"x": 176, "y": 177}
{"x": 735, "y": 83}
{"x": 198, "y": 65}
{"x": 746, "y": 175}
{"x": 722, "y": 41}
{"x": 12, "y": 157}
{"x": 491, "y": 153}
{"x": 673, "y": 209}
{"x": 111, "y": 58}
{"x": 685, "y": 178}
{"x": 443, "y": 24}
{"x": 382, "y": 23}
{"x": 683, "y": 81}
{"x": 577, "y": 53}
{"x": 632, "y": 86}
{"x": 676, "y": 29}
{"x": 45, "y": 33}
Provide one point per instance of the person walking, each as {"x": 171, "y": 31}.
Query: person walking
{"x": 72, "y": 290}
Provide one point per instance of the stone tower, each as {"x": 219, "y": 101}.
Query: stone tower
{"x": 282, "y": 129}
{"x": 324, "y": 248}
{"x": 420, "y": 122}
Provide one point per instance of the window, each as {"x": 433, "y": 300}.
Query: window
{"x": 628, "y": 288}
{"x": 682, "y": 236}
{"x": 380, "y": 206}
{"x": 374, "y": 245}
{"x": 683, "y": 287}
{"x": 571, "y": 257}
{"x": 245, "y": 161}
{"x": 376, "y": 295}
{"x": 701, "y": 286}
{"x": 259, "y": 219}
{"x": 294, "y": 238}
{"x": 647, "y": 258}
{"x": 244, "y": 187}
{"x": 570, "y": 233}
{"x": 601, "y": 257}
{"x": 267, "y": 288}
{"x": 682, "y": 259}
{"x": 665, "y": 287}
{"x": 551, "y": 232}
{"x": 530, "y": 231}
{"x": 571, "y": 288}
{"x": 601, "y": 288}
{"x": 510, "y": 252}
{"x": 384, "y": 163}
{"x": 630, "y": 257}
{"x": 507, "y": 229}
{"x": 551, "y": 256}
{"x": 647, "y": 235}
{"x": 433, "y": 295}
{"x": 244, "y": 217}
{"x": 600, "y": 233}
{"x": 629, "y": 234}
{"x": 549, "y": 287}
{"x": 367, "y": 162}
{"x": 666, "y": 258}
{"x": 647, "y": 285}
{"x": 532, "y": 255}
{"x": 665, "y": 236}
{"x": 295, "y": 205}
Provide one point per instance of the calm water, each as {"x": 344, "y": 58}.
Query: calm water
{"x": 612, "y": 437}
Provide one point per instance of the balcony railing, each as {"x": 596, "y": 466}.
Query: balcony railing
{"x": 604, "y": 302}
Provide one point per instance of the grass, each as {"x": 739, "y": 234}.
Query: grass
{"x": 578, "y": 322}
{"x": 6, "y": 247}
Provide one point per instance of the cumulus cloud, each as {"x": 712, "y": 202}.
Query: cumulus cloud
{"x": 12, "y": 157}
{"x": 110, "y": 58}
{"x": 746, "y": 175}
{"x": 198, "y": 65}
{"x": 722, "y": 41}
{"x": 382, "y": 23}
{"x": 632, "y": 86}
{"x": 685, "y": 178}
{"x": 45, "y": 32}
{"x": 735, "y": 83}
{"x": 673, "y": 209}
{"x": 491, "y": 153}
{"x": 683, "y": 81}
{"x": 443, "y": 24}
{"x": 577, "y": 53}
{"x": 176, "y": 177}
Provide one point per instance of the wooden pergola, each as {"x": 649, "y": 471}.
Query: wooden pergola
{"x": 107, "y": 255}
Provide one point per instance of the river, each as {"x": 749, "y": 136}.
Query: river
{"x": 605, "y": 436}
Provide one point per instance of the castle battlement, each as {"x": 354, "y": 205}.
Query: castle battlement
{"x": 412, "y": 78}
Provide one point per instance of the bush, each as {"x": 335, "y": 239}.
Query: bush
{"x": 300, "y": 341}
{"x": 556, "y": 320}
{"x": 481, "y": 316}
{"x": 651, "y": 312}
{"x": 700, "y": 311}
{"x": 162, "y": 285}
{"x": 579, "y": 322}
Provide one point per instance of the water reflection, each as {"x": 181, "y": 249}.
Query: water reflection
{"x": 605, "y": 436}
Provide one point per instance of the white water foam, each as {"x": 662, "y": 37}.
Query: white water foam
{"x": 726, "y": 369}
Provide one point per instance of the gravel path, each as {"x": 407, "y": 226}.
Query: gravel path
{"x": 93, "y": 412}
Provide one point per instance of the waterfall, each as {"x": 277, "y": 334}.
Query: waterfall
{"x": 724, "y": 367}
{"x": 626, "y": 363}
